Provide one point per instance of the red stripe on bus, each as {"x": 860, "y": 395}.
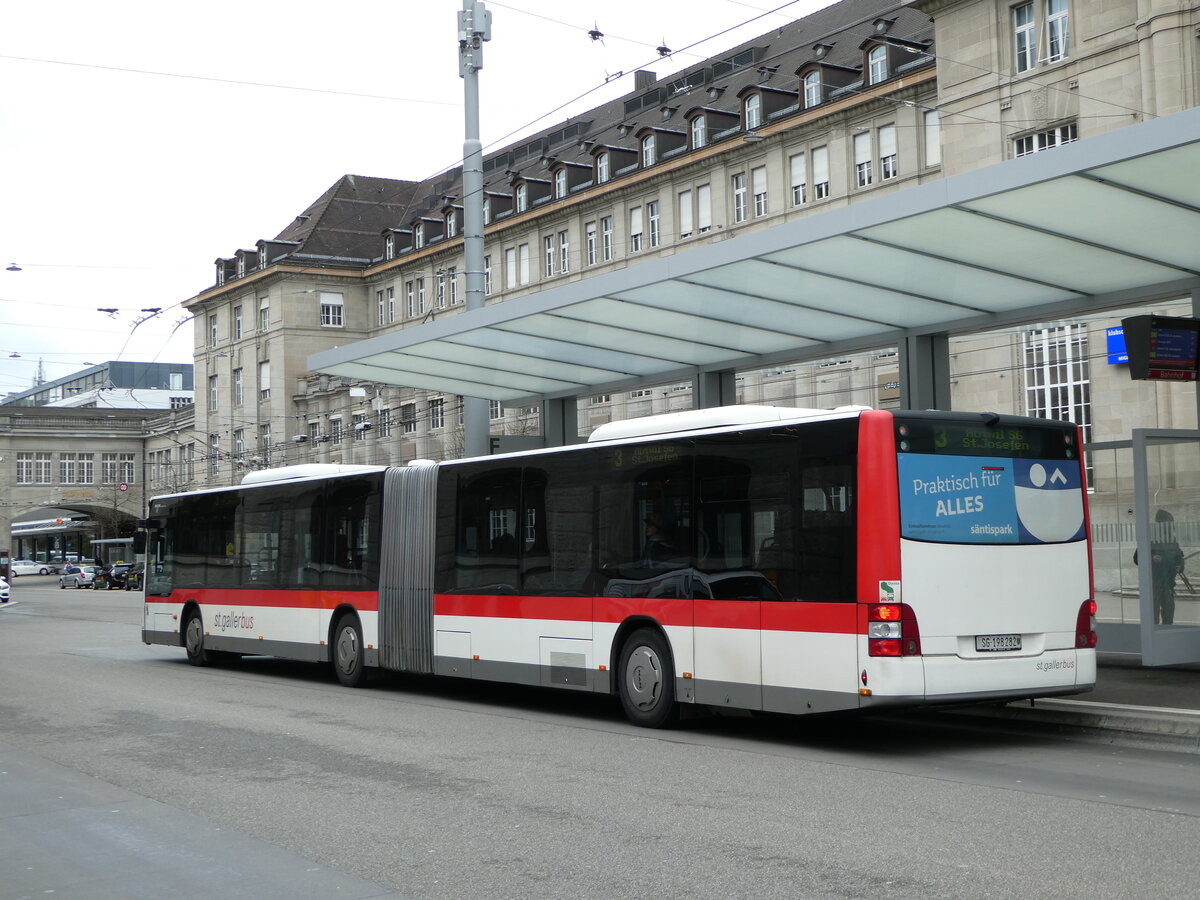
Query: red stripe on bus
{"x": 878, "y": 503}
{"x": 367, "y": 601}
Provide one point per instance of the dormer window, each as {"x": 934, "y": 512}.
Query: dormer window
{"x": 877, "y": 70}
{"x": 602, "y": 167}
{"x": 419, "y": 235}
{"x": 812, "y": 89}
{"x": 487, "y": 210}
{"x": 389, "y": 247}
{"x": 522, "y": 197}
{"x": 241, "y": 265}
{"x": 699, "y": 132}
{"x": 220, "y": 272}
{"x": 262, "y": 256}
{"x": 648, "y": 151}
{"x": 753, "y": 109}
{"x": 560, "y": 183}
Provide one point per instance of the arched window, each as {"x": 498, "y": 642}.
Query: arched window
{"x": 812, "y": 89}
{"x": 602, "y": 167}
{"x": 753, "y": 112}
{"x": 648, "y": 150}
{"x": 699, "y": 132}
{"x": 419, "y": 235}
{"x": 522, "y": 197}
{"x": 560, "y": 183}
{"x": 877, "y": 64}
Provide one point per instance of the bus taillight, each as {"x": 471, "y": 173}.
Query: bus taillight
{"x": 892, "y": 630}
{"x": 1085, "y": 630}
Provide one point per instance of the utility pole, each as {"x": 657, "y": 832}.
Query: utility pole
{"x": 474, "y": 27}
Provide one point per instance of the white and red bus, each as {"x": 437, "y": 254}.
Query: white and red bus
{"x": 760, "y": 558}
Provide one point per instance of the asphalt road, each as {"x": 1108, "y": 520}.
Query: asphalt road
{"x": 257, "y": 777}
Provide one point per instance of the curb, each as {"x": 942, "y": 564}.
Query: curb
{"x": 1163, "y": 727}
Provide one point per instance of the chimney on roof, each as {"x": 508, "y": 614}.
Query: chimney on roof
{"x": 643, "y": 79}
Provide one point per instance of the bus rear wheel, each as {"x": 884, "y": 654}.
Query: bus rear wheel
{"x": 348, "y": 656}
{"x": 193, "y": 640}
{"x": 647, "y": 676}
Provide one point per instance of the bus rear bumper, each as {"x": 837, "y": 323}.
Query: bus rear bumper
{"x": 1054, "y": 672}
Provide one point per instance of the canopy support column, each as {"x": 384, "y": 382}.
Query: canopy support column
{"x": 925, "y": 371}
{"x": 560, "y": 422}
{"x": 713, "y": 389}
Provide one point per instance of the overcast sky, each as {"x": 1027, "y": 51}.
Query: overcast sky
{"x": 141, "y": 140}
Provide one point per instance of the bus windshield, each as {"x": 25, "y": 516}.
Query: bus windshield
{"x": 1007, "y": 481}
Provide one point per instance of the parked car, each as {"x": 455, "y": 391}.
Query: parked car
{"x": 78, "y": 576}
{"x": 29, "y": 567}
{"x": 3, "y": 590}
{"x": 119, "y": 576}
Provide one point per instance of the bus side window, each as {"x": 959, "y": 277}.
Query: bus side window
{"x": 827, "y": 557}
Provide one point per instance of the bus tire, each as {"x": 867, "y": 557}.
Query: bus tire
{"x": 647, "y": 680}
{"x": 348, "y": 657}
{"x": 193, "y": 640}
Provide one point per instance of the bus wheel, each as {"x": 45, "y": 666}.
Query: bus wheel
{"x": 193, "y": 640}
{"x": 348, "y": 652}
{"x": 647, "y": 680}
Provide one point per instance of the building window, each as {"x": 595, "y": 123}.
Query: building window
{"x": 380, "y": 308}
{"x": 214, "y": 453}
{"x": 451, "y": 224}
{"x": 452, "y": 278}
{"x": 335, "y": 429}
{"x": 1057, "y": 30}
{"x": 357, "y": 423}
{"x": 739, "y": 197}
{"x": 86, "y": 472}
{"x": 439, "y": 290}
{"x": 66, "y": 468}
{"x": 239, "y": 443}
{"x": 332, "y": 310}
{"x": 703, "y": 208}
{"x": 522, "y": 197}
{"x": 237, "y": 323}
{"x": 548, "y": 252}
{"x": 933, "y": 138}
{"x": 420, "y": 296}
{"x": 180, "y": 402}
{"x": 685, "y": 213}
{"x": 125, "y": 464}
{"x": 262, "y": 257}
{"x": 758, "y": 184}
{"x": 602, "y": 167}
{"x": 419, "y": 235}
{"x": 653, "y": 223}
{"x": 820, "y": 168}
{"x": 635, "y": 229}
{"x": 189, "y": 465}
{"x": 888, "y": 166}
{"x": 237, "y": 387}
{"x": 589, "y": 245}
{"x": 862, "y": 159}
{"x": 408, "y": 418}
{"x": 410, "y": 295}
{"x": 176, "y": 381}
{"x": 799, "y": 174}
{"x": 648, "y": 152}
{"x": 108, "y": 468}
{"x": 1025, "y": 38}
{"x": 389, "y": 247}
{"x": 510, "y": 267}
{"x": 494, "y": 411}
{"x": 385, "y": 423}
{"x": 264, "y": 380}
{"x": 1057, "y": 379}
{"x": 213, "y": 393}
{"x": 487, "y": 210}
{"x": 1045, "y": 140}
{"x": 212, "y": 331}
{"x": 812, "y": 90}
{"x": 264, "y": 314}
{"x": 560, "y": 183}
{"x": 606, "y": 238}
{"x": 523, "y": 263}
{"x": 314, "y": 432}
{"x": 699, "y": 132}
{"x": 391, "y": 304}
{"x": 487, "y": 275}
{"x": 753, "y": 111}
{"x": 564, "y": 252}
{"x": 877, "y": 64}
{"x": 599, "y": 399}
{"x": 437, "y": 413}
{"x": 24, "y": 468}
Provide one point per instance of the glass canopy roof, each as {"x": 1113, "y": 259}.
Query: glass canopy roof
{"x": 1100, "y": 223}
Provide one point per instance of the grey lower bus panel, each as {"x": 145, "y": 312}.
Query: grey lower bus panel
{"x": 406, "y": 568}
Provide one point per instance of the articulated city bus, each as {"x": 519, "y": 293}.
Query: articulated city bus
{"x": 761, "y": 558}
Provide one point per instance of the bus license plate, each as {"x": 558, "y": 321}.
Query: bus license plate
{"x": 993, "y": 642}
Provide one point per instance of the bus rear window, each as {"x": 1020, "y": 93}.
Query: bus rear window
{"x": 1011, "y": 482}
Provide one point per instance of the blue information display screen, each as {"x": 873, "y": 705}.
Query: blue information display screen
{"x": 989, "y": 499}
